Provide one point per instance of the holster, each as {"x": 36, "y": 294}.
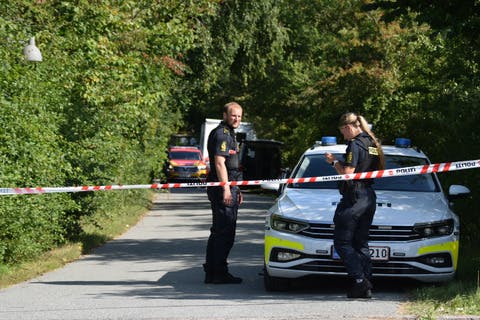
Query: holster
{"x": 347, "y": 189}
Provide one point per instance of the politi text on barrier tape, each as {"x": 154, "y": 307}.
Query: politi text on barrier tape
{"x": 425, "y": 169}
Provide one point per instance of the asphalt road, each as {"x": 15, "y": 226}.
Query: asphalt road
{"x": 154, "y": 271}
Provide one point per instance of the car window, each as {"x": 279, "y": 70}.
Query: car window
{"x": 184, "y": 155}
{"x": 316, "y": 166}
{"x": 418, "y": 182}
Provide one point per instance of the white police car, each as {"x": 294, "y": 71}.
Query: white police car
{"x": 414, "y": 233}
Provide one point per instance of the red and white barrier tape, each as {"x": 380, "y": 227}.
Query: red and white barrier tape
{"x": 439, "y": 167}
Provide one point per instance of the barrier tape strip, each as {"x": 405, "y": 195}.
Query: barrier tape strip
{"x": 439, "y": 167}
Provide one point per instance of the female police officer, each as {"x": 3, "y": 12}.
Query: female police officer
{"x": 354, "y": 213}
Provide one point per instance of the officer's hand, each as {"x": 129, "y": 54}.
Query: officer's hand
{"x": 329, "y": 157}
{"x": 227, "y": 196}
{"x": 240, "y": 198}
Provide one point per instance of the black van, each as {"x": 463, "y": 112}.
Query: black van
{"x": 261, "y": 159}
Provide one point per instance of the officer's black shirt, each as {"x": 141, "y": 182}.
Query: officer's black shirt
{"x": 222, "y": 142}
{"x": 362, "y": 154}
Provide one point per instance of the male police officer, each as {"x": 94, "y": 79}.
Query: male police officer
{"x": 224, "y": 166}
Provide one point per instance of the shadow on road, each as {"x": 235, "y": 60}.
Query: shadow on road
{"x": 176, "y": 262}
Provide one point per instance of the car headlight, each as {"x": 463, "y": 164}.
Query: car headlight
{"x": 434, "y": 229}
{"x": 287, "y": 225}
{"x": 202, "y": 167}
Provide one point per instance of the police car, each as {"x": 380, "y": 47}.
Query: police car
{"x": 414, "y": 234}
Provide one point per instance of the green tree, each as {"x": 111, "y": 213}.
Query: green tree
{"x": 98, "y": 110}
{"x": 244, "y": 39}
{"x": 442, "y": 82}
{"x": 336, "y": 60}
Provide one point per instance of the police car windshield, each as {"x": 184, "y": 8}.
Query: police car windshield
{"x": 185, "y": 155}
{"x": 315, "y": 166}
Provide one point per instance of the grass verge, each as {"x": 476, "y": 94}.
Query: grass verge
{"x": 95, "y": 234}
{"x": 458, "y": 297}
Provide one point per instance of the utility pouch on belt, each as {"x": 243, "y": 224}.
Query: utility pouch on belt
{"x": 344, "y": 186}
{"x": 348, "y": 189}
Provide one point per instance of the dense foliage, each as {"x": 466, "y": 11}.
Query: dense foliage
{"x": 119, "y": 77}
{"x": 408, "y": 72}
{"x": 98, "y": 110}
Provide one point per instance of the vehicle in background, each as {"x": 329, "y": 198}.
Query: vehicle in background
{"x": 183, "y": 140}
{"x": 244, "y": 131}
{"x": 415, "y": 234}
{"x": 185, "y": 163}
{"x": 260, "y": 159}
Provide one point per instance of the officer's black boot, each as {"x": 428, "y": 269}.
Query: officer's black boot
{"x": 222, "y": 276}
{"x": 369, "y": 283}
{"x": 226, "y": 278}
{"x": 361, "y": 290}
{"x": 208, "y": 273}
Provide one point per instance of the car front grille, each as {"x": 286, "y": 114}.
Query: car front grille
{"x": 185, "y": 169}
{"x": 377, "y": 233}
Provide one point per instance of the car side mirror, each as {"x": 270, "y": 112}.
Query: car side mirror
{"x": 272, "y": 186}
{"x": 286, "y": 172}
{"x": 275, "y": 186}
{"x": 456, "y": 191}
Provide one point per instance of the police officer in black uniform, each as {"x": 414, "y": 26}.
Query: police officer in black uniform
{"x": 355, "y": 211}
{"x": 224, "y": 166}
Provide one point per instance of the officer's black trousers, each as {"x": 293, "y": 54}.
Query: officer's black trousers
{"x": 353, "y": 218}
{"x": 222, "y": 232}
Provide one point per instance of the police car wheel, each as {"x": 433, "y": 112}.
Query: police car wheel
{"x": 275, "y": 283}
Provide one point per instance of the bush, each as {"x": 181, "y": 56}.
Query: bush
{"x": 98, "y": 110}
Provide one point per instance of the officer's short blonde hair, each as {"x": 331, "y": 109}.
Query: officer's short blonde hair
{"x": 227, "y": 107}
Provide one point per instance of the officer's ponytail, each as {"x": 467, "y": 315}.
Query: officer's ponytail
{"x": 359, "y": 121}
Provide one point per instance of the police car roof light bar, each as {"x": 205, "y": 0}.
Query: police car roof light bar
{"x": 403, "y": 142}
{"x": 329, "y": 141}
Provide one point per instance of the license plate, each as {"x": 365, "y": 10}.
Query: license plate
{"x": 376, "y": 253}
{"x": 380, "y": 253}
{"x": 184, "y": 174}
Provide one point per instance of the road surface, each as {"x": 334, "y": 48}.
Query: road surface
{"x": 154, "y": 271}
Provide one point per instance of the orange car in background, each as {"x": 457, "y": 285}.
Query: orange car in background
{"x": 185, "y": 164}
